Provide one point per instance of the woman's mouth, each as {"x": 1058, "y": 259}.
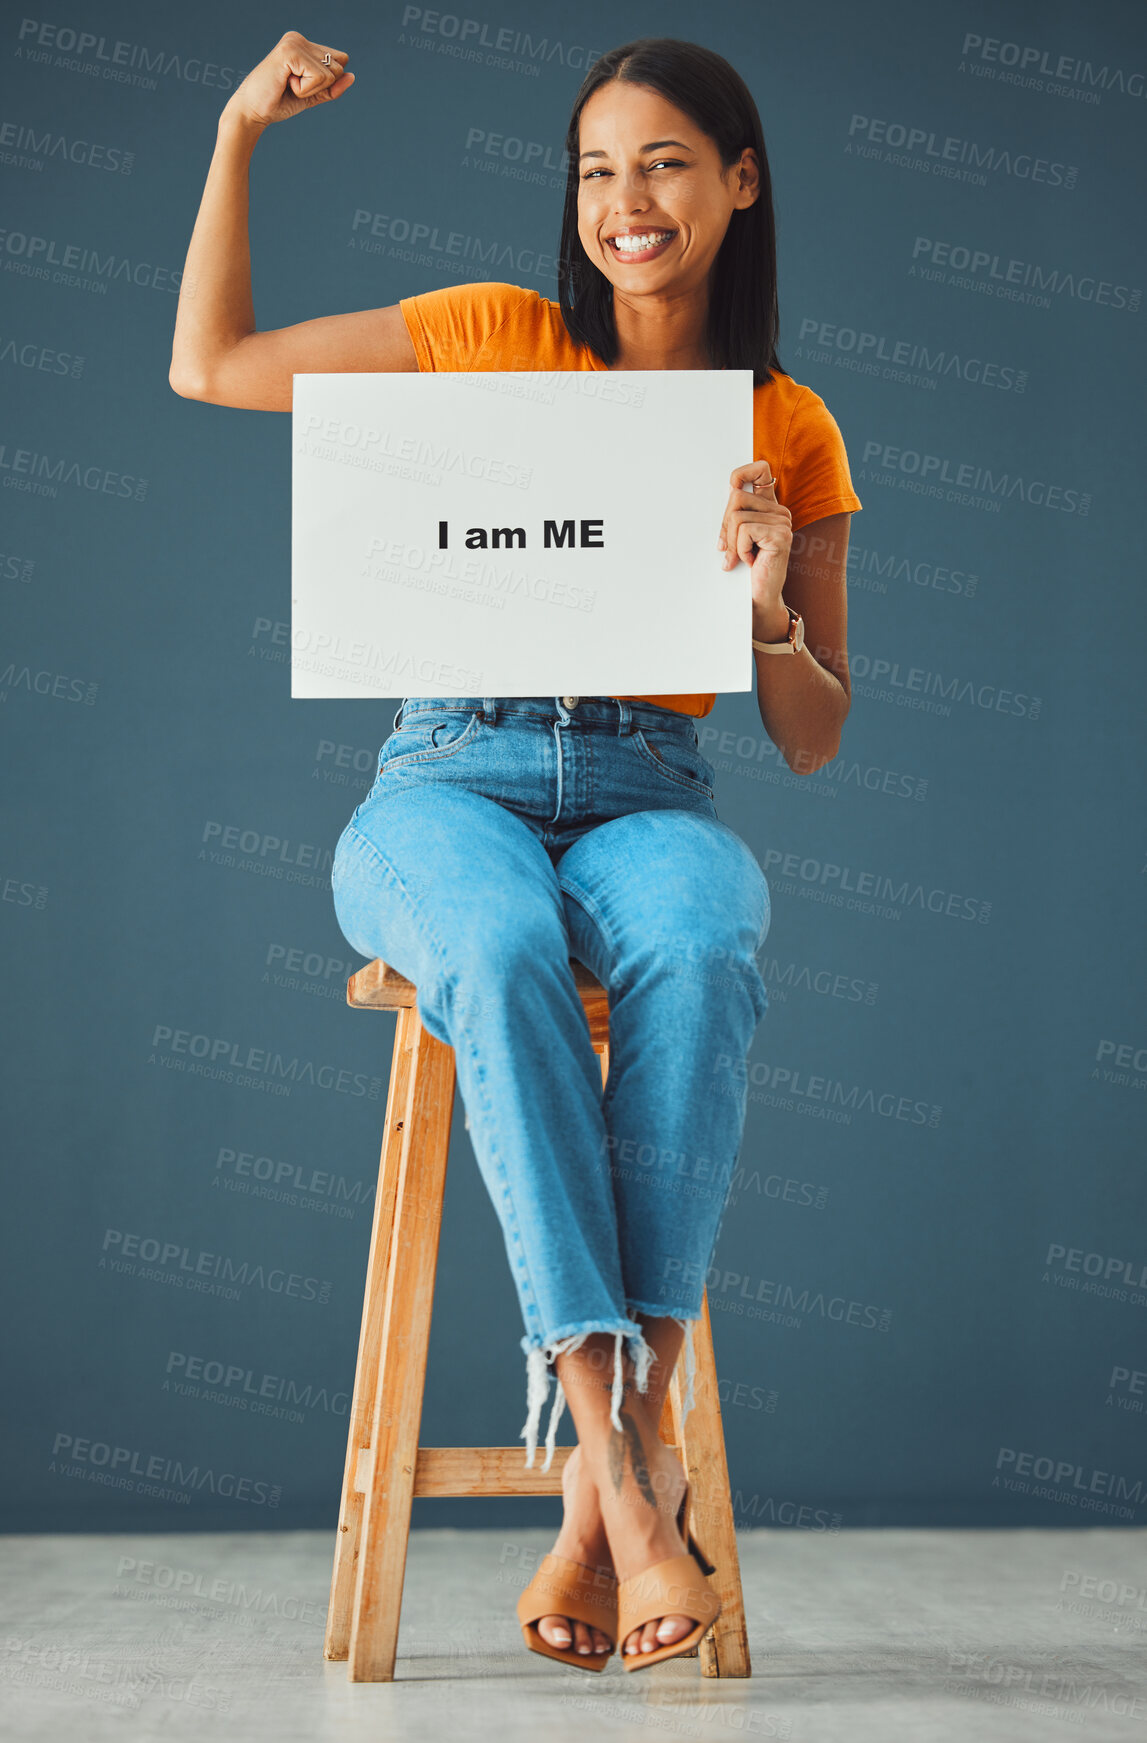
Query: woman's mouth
{"x": 640, "y": 245}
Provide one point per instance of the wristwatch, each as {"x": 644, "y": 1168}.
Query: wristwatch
{"x": 793, "y": 642}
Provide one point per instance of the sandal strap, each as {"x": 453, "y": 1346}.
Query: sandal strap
{"x": 561, "y": 1587}
{"x": 674, "y": 1587}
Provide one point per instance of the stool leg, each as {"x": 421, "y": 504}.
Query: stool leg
{"x": 701, "y": 1446}
{"x": 337, "y": 1642}
{"x": 388, "y": 1471}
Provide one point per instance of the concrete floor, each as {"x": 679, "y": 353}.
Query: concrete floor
{"x": 855, "y": 1636}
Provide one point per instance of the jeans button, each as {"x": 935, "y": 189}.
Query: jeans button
{"x": 571, "y": 701}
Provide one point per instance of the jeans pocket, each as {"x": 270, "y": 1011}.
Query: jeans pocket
{"x": 674, "y": 758}
{"x": 429, "y": 739}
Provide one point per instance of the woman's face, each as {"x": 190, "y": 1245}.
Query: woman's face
{"x": 646, "y": 172}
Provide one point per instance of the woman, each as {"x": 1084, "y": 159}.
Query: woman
{"x": 504, "y": 835}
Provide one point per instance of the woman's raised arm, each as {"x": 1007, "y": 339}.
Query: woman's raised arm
{"x": 217, "y": 354}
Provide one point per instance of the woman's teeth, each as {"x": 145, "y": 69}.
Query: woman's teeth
{"x": 639, "y": 244}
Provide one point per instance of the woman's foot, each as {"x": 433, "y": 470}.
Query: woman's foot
{"x": 582, "y": 1539}
{"x": 631, "y": 1485}
{"x": 639, "y": 1510}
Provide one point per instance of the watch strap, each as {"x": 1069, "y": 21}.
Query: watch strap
{"x": 788, "y": 645}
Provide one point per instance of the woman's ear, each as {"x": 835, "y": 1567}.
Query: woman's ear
{"x": 748, "y": 178}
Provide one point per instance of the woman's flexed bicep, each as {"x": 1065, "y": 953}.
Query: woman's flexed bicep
{"x": 218, "y": 354}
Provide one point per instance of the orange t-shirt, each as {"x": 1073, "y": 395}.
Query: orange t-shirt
{"x": 502, "y": 326}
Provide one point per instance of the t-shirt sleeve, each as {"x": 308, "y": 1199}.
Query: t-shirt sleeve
{"x": 813, "y": 476}
{"x": 450, "y": 327}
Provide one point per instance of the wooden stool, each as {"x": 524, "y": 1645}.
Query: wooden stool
{"x": 385, "y": 1466}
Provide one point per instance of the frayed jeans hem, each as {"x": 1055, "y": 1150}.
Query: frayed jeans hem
{"x": 539, "y": 1355}
{"x": 687, "y": 1322}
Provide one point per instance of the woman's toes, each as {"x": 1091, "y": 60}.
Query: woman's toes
{"x": 554, "y": 1630}
{"x": 662, "y": 1631}
{"x": 583, "y": 1639}
{"x": 586, "y": 1641}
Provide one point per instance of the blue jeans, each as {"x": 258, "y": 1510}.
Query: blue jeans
{"x": 502, "y": 836}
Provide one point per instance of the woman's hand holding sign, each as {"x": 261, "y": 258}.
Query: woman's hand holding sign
{"x": 802, "y": 703}
{"x": 759, "y": 529}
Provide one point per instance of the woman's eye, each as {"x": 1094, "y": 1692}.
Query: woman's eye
{"x": 669, "y": 162}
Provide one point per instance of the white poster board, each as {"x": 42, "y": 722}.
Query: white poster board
{"x": 599, "y": 495}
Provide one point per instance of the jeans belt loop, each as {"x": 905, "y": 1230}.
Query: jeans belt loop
{"x": 625, "y": 722}
{"x": 490, "y": 709}
{"x": 398, "y": 716}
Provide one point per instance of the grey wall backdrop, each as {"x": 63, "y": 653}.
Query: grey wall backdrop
{"x": 931, "y": 1286}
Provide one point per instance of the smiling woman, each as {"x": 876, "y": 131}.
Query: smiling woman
{"x": 504, "y": 836}
{"x": 669, "y": 169}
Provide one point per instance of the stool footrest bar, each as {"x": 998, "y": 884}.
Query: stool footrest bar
{"x": 443, "y": 1471}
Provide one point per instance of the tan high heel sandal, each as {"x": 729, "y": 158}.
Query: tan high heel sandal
{"x": 570, "y": 1588}
{"x": 674, "y": 1587}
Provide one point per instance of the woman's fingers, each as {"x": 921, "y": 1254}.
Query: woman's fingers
{"x": 309, "y": 76}
{"x": 764, "y": 494}
{"x": 748, "y": 484}
{"x": 296, "y": 75}
{"x": 331, "y": 72}
{"x": 754, "y": 472}
{"x": 753, "y": 494}
{"x": 749, "y": 534}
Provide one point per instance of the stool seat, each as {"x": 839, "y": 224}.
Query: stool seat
{"x": 385, "y": 1466}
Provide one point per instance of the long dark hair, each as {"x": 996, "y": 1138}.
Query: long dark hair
{"x": 743, "y": 319}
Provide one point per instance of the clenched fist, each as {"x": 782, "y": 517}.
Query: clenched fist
{"x": 292, "y": 77}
